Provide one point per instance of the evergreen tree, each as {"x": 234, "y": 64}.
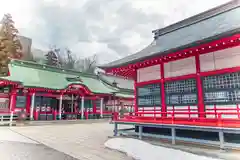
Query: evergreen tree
{"x": 70, "y": 61}
{"x": 10, "y": 46}
{"x": 52, "y": 58}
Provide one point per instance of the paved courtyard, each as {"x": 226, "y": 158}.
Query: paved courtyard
{"x": 17, "y": 147}
{"x": 83, "y": 141}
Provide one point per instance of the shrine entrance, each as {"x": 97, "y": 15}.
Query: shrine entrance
{"x": 71, "y": 107}
{"x": 45, "y": 107}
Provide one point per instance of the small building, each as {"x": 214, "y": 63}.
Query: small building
{"x": 47, "y": 93}
{"x": 26, "y": 48}
{"x": 188, "y": 78}
{"x": 123, "y": 95}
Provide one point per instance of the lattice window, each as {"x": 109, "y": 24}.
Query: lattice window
{"x": 21, "y": 102}
{"x": 4, "y": 103}
{"x": 182, "y": 86}
{"x": 5, "y": 89}
{"x": 183, "y": 92}
{"x": 98, "y": 104}
{"x": 149, "y": 95}
{"x": 224, "y": 89}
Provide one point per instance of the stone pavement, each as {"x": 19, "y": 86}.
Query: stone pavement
{"x": 17, "y": 147}
{"x": 83, "y": 141}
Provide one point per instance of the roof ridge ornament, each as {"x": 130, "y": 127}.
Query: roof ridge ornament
{"x": 153, "y": 43}
{"x": 114, "y": 83}
{"x": 74, "y": 79}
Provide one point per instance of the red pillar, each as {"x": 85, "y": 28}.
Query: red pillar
{"x": 163, "y": 100}
{"x": 201, "y": 107}
{"x": 13, "y": 99}
{"x": 28, "y": 103}
{"x": 94, "y": 106}
{"x": 135, "y": 92}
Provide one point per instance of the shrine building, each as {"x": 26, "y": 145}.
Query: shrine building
{"x": 48, "y": 93}
{"x": 188, "y": 78}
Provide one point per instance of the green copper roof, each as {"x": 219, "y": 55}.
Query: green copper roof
{"x": 125, "y": 95}
{"x": 121, "y": 82}
{"x": 35, "y": 75}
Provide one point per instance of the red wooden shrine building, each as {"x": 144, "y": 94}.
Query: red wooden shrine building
{"x": 48, "y": 93}
{"x": 189, "y": 76}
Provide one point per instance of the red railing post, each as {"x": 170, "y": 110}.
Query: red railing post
{"x": 142, "y": 111}
{"x": 215, "y": 110}
{"x": 220, "y": 119}
{"x": 172, "y": 117}
{"x": 154, "y": 110}
{"x": 54, "y": 114}
{"x": 238, "y": 111}
{"x": 189, "y": 111}
{"x": 173, "y": 110}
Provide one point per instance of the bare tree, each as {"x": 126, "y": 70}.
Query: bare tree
{"x": 90, "y": 64}
{"x": 70, "y": 60}
{"x": 66, "y": 59}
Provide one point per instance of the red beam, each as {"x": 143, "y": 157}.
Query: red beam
{"x": 220, "y": 71}
{"x": 138, "y": 84}
{"x": 201, "y": 107}
{"x": 164, "y": 106}
{"x": 178, "y": 78}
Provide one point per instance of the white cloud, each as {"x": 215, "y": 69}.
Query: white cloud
{"x": 112, "y": 28}
{"x": 176, "y": 10}
{"x": 20, "y": 10}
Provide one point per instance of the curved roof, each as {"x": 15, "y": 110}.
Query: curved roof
{"x": 35, "y": 75}
{"x": 122, "y": 83}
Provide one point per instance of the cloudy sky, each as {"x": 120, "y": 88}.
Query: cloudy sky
{"x": 110, "y": 28}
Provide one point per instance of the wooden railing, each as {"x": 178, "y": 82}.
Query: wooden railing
{"x": 224, "y": 117}
{"x": 7, "y": 118}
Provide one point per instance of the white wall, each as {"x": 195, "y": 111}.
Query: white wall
{"x": 148, "y": 73}
{"x": 180, "y": 67}
{"x": 226, "y": 58}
